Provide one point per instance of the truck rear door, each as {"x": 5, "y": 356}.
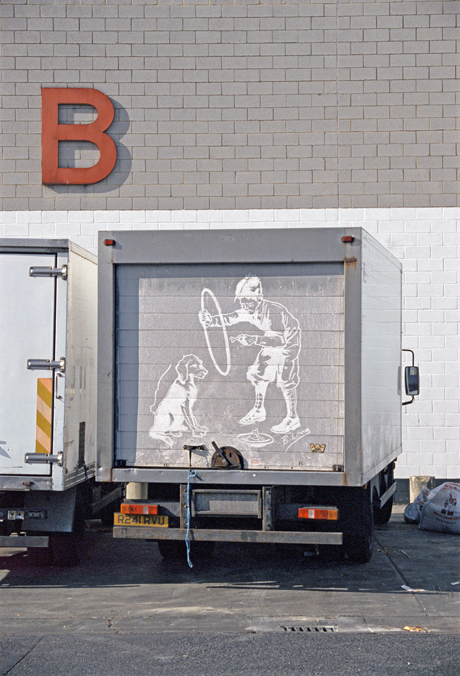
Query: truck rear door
{"x": 28, "y": 331}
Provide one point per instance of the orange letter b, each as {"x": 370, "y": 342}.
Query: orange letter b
{"x": 53, "y": 132}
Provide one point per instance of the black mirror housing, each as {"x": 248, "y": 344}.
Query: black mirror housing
{"x": 412, "y": 380}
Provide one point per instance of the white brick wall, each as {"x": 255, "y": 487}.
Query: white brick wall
{"x": 426, "y": 240}
{"x": 239, "y": 104}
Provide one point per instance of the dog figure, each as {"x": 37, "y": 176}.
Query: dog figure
{"x": 174, "y": 414}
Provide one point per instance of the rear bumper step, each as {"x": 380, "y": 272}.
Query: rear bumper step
{"x": 24, "y": 541}
{"x": 209, "y": 535}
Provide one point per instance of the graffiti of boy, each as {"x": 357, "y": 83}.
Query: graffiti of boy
{"x": 278, "y": 359}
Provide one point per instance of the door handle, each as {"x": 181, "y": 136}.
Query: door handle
{"x": 56, "y": 389}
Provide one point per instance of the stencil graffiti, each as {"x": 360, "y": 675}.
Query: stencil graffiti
{"x": 277, "y": 361}
{"x": 174, "y": 414}
{"x": 204, "y": 294}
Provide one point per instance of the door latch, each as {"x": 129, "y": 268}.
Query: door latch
{"x": 37, "y": 271}
{"x": 46, "y": 364}
{"x": 44, "y": 458}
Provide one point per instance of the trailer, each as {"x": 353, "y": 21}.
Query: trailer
{"x": 48, "y": 342}
{"x": 250, "y": 386}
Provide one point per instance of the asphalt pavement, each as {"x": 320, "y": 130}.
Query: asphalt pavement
{"x": 247, "y": 610}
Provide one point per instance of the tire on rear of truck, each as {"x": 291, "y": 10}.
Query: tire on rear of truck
{"x": 358, "y": 526}
{"x": 176, "y": 550}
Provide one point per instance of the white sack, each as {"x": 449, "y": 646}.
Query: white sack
{"x": 441, "y": 512}
{"x": 413, "y": 511}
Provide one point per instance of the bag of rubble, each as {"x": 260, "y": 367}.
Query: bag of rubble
{"x": 413, "y": 511}
{"x": 442, "y": 510}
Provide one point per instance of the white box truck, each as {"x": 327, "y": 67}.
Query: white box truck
{"x": 249, "y": 386}
{"x": 48, "y": 341}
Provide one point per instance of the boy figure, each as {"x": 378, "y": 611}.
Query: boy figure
{"x": 277, "y": 360}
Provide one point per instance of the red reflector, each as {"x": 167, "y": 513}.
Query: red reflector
{"x": 348, "y": 239}
{"x": 109, "y": 242}
{"x": 139, "y": 509}
{"x": 320, "y": 514}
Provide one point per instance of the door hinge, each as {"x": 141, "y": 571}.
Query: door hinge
{"x": 44, "y": 458}
{"x": 48, "y": 272}
{"x": 46, "y": 364}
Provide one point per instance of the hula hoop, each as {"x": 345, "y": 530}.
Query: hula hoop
{"x": 224, "y": 331}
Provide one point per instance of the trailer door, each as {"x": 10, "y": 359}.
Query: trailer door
{"x": 267, "y": 381}
{"x": 27, "y": 331}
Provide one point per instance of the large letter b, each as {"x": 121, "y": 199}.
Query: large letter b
{"x": 53, "y": 132}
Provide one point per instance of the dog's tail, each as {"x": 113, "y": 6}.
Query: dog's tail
{"x": 153, "y": 407}
{"x": 162, "y": 437}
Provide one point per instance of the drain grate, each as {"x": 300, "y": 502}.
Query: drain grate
{"x": 307, "y": 630}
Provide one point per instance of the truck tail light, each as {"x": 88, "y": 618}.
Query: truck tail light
{"x": 318, "y": 513}
{"x": 138, "y": 509}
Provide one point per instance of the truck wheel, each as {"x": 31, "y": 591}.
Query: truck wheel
{"x": 359, "y": 530}
{"x": 64, "y": 549}
{"x": 383, "y": 515}
{"x": 175, "y": 550}
{"x": 61, "y": 551}
{"x": 202, "y": 551}
{"x": 172, "y": 550}
{"x": 39, "y": 556}
{"x": 331, "y": 553}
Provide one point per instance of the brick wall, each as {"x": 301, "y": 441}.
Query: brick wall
{"x": 247, "y": 104}
{"x": 427, "y": 241}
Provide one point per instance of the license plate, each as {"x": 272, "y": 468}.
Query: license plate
{"x": 149, "y": 520}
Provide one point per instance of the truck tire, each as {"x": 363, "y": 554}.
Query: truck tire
{"x": 331, "y": 553}
{"x": 383, "y": 515}
{"x": 176, "y": 550}
{"x": 172, "y": 550}
{"x": 39, "y": 557}
{"x": 359, "y": 526}
{"x": 64, "y": 549}
{"x": 61, "y": 551}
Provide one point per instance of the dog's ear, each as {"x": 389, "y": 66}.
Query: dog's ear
{"x": 182, "y": 370}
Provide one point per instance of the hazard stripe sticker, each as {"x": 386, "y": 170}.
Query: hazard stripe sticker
{"x": 44, "y": 415}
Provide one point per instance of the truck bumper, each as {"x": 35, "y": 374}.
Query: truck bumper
{"x": 17, "y": 541}
{"x": 210, "y": 535}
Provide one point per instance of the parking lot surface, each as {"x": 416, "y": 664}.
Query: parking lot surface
{"x": 123, "y": 588}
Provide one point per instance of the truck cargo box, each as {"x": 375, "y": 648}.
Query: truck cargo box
{"x": 249, "y": 386}
{"x": 48, "y": 341}
{"x": 322, "y": 353}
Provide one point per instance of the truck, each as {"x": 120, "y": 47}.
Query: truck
{"x": 250, "y": 386}
{"x": 48, "y": 340}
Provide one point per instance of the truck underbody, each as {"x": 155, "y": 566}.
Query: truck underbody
{"x": 323, "y": 517}
{"x": 48, "y": 523}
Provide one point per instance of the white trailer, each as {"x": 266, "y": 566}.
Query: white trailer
{"x": 48, "y": 341}
{"x": 250, "y": 385}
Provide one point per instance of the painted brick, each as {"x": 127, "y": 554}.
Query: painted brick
{"x": 172, "y": 28}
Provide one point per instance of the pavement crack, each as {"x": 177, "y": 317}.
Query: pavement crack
{"x": 5, "y": 673}
{"x": 111, "y": 623}
{"x": 401, "y": 575}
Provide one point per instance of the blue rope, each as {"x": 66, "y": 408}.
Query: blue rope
{"x": 191, "y": 475}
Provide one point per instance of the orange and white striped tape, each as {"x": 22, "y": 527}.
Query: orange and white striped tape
{"x": 44, "y": 415}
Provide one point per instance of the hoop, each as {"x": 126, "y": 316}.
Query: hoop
{"x": 224, "y": 330}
